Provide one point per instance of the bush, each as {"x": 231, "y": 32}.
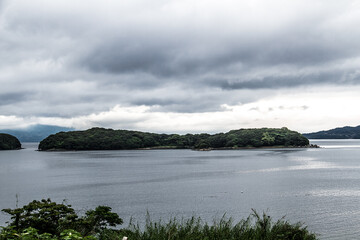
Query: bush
{"x": 33, "y": 234}
{"x": 49, "y": 217}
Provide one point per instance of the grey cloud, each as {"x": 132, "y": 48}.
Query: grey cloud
{"x": 305, "y": 107}
{"x": 184, "y": 103}
{"x": 191, "y": 107}
{"x": 276, "y": 82}
{"x": 154, "y": 101}
{"x": 116, "y": 58}
{"x": 167, "y": 58}
{"x": 3, "y": 3}
{"x": 274, "y": 108}
{"x": 10, "y": 98}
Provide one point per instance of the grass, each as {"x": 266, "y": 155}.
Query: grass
{"x": 255, "y": 227}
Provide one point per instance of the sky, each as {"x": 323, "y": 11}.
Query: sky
{"x": 179, "y": 66}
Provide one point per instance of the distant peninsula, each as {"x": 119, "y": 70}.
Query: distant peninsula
{"x": 336, "y": 133}
{"x": 109, "y": 139}
{"x": 9, "y": 142}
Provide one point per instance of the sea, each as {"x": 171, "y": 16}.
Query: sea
{"x": 319, "y": 187}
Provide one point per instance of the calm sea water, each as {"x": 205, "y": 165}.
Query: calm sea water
{"x": 320, "y": 187}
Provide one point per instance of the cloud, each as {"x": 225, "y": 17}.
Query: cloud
{"x": 10, "y": 98}
{"x": 304, "y": 112}
{"x": 196, "y": 44}
{"x": 66, "y": 59}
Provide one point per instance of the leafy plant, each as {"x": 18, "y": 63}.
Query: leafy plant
{"x": 49, "y": 217}
{"x": 99, "y": 219}
{"x": 46, "y": 216}
{"x": 27, "y": 234}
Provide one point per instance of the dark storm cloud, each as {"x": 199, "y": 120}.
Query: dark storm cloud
{"x": 160, "y": 60}
{"x": 171, "y": 56}
{"x": 126, "y": 58}
{"x": 227, "y": 65}
{"x": 11, "y": 98}
{"x": 275, "y": 82}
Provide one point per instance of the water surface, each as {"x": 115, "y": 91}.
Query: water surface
{"x": 320, "y": 187}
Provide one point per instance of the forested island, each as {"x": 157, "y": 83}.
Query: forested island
{"x": 9, "y": 142}
{"x": 109, "y": 139}
{"x": 336, "y": 133}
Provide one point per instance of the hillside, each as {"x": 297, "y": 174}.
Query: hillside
{"x": 35, "y": 133}
{"x": 337, "y": 133}
{"x": 109, "y": 139}
{"x": 9, "y": 142}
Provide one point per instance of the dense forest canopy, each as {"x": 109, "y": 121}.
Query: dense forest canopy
{"x": 336, "y": 133}
{"x": 9, "y": 142}
{"x": 109, "y": 139}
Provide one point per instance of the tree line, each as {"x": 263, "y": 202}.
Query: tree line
{"x": 109, "y": 139}
{"x": 9, "y": 142}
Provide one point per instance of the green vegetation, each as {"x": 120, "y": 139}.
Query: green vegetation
{"x": 9, "y": 142}
{"x": 255, "y": 227}
{"x": 46, "y": 220}
{"x": 108, "y": 139}
{"x": 49, "y": 220}
{"x": 337, "y": 133}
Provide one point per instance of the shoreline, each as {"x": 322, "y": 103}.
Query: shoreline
{"x": 185, "y": 148}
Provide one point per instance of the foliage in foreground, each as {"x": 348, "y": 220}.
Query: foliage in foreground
{"x": 109, "y": 139}
{"x": 33, "y": 234}
{"x": 46, "y": 220}
{"x": 53, "y": 219}
{"x": 255, "y": 227}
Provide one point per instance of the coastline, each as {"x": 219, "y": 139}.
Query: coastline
{"x": 185, "y": 148}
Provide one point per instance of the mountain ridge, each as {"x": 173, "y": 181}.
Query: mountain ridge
{"x": 35, "y": 133}
{"x": 346, "y": 132}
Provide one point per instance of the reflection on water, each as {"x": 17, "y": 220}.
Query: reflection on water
{"x": 302, "y": 163}
{"x": 335, "y": 193}
{"x": 317, "y": 186}
{"x": 336, "y": 143}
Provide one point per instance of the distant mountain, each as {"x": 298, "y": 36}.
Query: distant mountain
{"x": 337, "y": 133}
{"x": 35, "y": 133}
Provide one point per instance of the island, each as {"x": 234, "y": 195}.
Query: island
{"x": 109, "y": 139}
{"x": 336, "y": 133}
{"x": 9, "y": 142}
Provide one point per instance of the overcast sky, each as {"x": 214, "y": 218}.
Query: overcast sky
{"x": 180, "y": 65}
